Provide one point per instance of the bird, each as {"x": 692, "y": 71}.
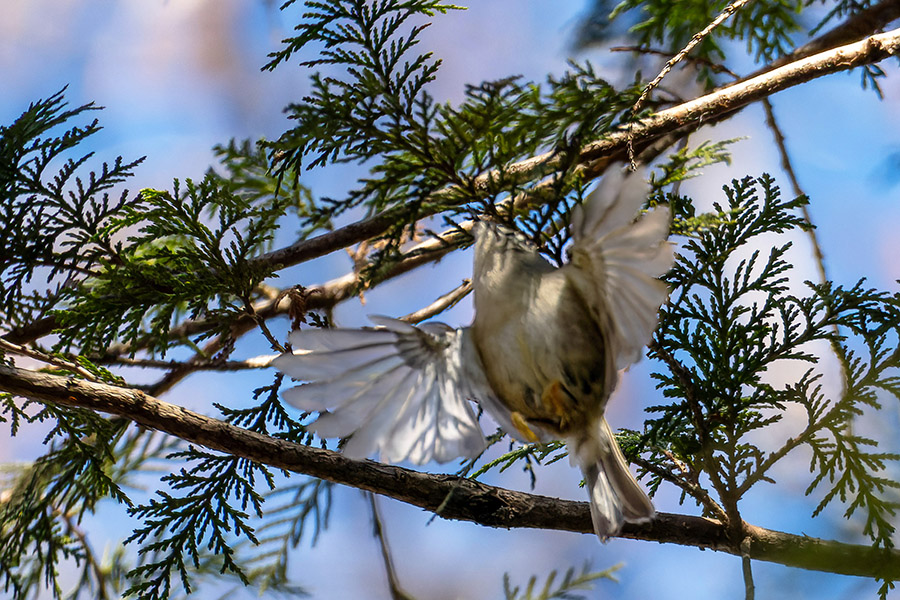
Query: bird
{"x": 542, "y": 355}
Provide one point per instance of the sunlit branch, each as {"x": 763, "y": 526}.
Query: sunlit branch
{"x": 613, "y": 147}
{"x": 457, "y": 498}
{"x": 446, "y": 301}
{"x": 256, "y": 362}
{"x": 595, "y": 156}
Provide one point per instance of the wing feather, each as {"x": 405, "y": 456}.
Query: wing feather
{"x": 401, "y": 391}
{"x": 617, "y": 257}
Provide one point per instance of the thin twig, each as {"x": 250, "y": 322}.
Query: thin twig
{"x": 819, "y": 256}
{"x": 257, "y": 362}
{"x": 695, "y": 39}
{"x": 690, "y": 488}
{"x": 264, "y": 329}
{"x": 99, "y": 575}
{"x": 446, "y": 301}
{"x": 798, "y": 191}
{"x": 682, "y": 144}
{"x": 56, "y": 361}
{"x": 706, "y": 442}
{"x": 397, "y": 592}
{"x": 168, "y": 381}
{"x": 747, "y": 570}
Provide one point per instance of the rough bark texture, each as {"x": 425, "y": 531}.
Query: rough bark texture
{"x": 803, "y": 68}
{"x": 799, "y": 67}
{"x": 449, "y": 496}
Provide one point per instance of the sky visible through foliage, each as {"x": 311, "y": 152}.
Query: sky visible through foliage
{"x": 177, "y": 77}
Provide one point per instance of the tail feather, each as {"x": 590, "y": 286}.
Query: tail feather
{"x": 616, "y": 496}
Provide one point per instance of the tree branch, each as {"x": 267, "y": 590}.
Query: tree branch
{"x": 863, "y": 23}
{"x": 323, "y": 296}
{"x": 737, "y": 95}
{"x": 716, "y": 105}
{"x": 613, "y": 147}
{"x": 257, "y": 362}
{"x": 457, "y": 498}
{"x": 446, "y": 301}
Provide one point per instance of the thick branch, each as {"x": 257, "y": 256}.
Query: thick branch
{"x": 33, "y": 330}
{"x": 691, "y": 114}
{"x": 458, "y": 498}
{"x": 863, "y": 23}
{"x": 726, "y": 100}
{"x": 721, "y": 102}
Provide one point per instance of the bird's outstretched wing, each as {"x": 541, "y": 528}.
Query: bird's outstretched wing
{"x": 617, "y": 258}
{"x": 400, "y": 390}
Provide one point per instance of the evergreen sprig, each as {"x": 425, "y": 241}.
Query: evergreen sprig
{"x": 244, "y": 170}
{"x": 269, "y": 416}
{"x": 531, "y": 454}
{"x": 847, "y": 464}
{"x": 382, "y": 85}
{"x": 730, "y": 319}
{"x": 302, "y": 508}
{"x": 177, "y": 529}
{"x": 211, "y": 525}
{"x": 567, "y": 589}
{"x": 51, "y": 495}
{"x": 53, "y": 218}
{"x": 177, "y": 264}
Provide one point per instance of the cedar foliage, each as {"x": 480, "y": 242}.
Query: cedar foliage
{"x": 139, "y": 276}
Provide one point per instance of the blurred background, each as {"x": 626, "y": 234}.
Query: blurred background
{"x": 177, "y": 77}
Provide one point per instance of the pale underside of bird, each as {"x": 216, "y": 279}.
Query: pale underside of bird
{"x": 541, "y": 357}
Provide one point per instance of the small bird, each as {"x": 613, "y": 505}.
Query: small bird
{"x": 541, "y": 356}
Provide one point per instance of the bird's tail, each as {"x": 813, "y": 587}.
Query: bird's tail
{"x": 616, "y": 496}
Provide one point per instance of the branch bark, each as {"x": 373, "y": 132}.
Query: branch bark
{"x": 454, "y": 497}
{"x": 799, "y": 67}
{"x": 857, "y": 26}
{"x": 724, "y": 101}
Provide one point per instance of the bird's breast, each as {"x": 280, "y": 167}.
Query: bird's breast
{"x": 545, "y": 358}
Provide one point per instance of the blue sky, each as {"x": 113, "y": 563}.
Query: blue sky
{"x": 178, "y": 77}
